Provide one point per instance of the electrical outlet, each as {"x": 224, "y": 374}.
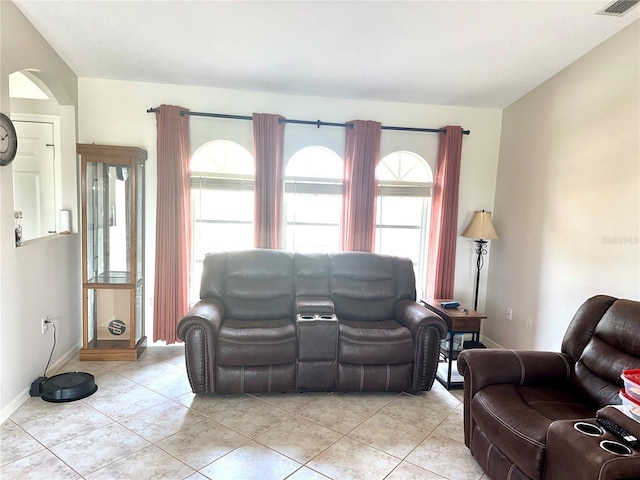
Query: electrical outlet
{"x": 529, "y": 323}
{"x": 44, "y": 325}
{"x": 509, "y": 313}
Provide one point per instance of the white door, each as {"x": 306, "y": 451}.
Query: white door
{"x": 33, "y": 179}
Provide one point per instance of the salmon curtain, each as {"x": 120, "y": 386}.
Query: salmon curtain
{"x": 173, "y": 223}
{"x": 441, "y": 259}
{"x": 362, "y": 153}
{"x": 268, "y": 139}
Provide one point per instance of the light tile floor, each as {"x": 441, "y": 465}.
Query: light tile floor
{"x": 144, "y": 423}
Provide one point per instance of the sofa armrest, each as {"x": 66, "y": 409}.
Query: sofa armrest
{"x": 208, "y": 313}
{"x": 415, "y": 316}
{"x": 482, "y": 367}
{"x": 198, "y": 330}
{"x": 427, "y": 329}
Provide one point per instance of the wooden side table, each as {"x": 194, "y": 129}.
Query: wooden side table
{"x": 459, "y": 321}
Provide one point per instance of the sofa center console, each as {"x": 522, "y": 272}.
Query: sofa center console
{"x": 317, "y": 352}
{"x": 584, "y": 449}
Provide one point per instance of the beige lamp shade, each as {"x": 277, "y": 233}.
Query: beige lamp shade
{"x": 481, "y": 227}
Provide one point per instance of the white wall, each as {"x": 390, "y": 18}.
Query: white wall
{"x": 114, "y": 112}
{"x": 42, "y": 277}
{"x": 568, "y": 196}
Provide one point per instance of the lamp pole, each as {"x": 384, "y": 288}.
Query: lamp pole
{"x": 481, "y": 249}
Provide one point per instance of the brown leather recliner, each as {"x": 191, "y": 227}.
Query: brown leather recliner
{"x": 275, "y": 321}
{"x": 517, "y": 404}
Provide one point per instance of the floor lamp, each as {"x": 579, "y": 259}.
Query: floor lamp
{"x": 481, "y": 229}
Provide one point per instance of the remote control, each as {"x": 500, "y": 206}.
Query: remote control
{"x": 618, "y": 431}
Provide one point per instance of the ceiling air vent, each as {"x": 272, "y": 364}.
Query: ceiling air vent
{"x": 618, "y": 8}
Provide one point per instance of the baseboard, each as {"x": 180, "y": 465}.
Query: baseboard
{"x": 490, "y": 343}
{"x": 23, "y": 396}
{"x": 14, "y": 404}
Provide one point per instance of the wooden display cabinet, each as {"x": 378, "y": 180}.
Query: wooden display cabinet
{"x": 112, "y": 252}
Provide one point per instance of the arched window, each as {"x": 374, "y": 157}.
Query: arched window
{"x": 403, "y": 210}
{"x": 221, "y": 201}
{"x": 313, "y": 200}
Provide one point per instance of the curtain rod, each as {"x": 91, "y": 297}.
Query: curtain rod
{"x": 317, "y": 123}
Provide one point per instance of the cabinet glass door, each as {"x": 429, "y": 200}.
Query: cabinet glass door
{"x": 108, "y": 222}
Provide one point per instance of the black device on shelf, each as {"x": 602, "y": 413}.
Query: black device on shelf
{"x": 448, "y": 305}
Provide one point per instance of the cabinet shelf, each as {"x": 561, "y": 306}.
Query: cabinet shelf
{"x": 445, "y": 353}
{"x": 111, "y": 278}
{"x": 113, "y": 350}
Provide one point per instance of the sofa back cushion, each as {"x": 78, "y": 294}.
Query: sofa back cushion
{"x": 252, "y": 284}
{"x": 603, "y": 339}
{"x": 367, "y": 286}
{"x": 263, "y": 284}
{"x": 311, "y": 274}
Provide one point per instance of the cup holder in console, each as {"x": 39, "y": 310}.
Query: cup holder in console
{"x": 616, "y": 448}
{"x": 588, "y": 429}
{"x": 315, "y": 316}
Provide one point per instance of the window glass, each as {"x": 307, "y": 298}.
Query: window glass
{"x": 406, "y": 167}
{"x": 223, "y": 156}
{"x": 313, "y": 200}
{"x": 221, "y": 202}
{"x": 403, "y": 209}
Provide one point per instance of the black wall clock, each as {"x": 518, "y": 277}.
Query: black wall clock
{"x": 8, "y": 140}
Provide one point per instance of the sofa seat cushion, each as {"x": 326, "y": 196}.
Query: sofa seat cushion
{"x": 375, "y": 378}
{"x": 256, "y": 342}
{"x": 516, "y": 419}
{"x": 374, "y": 343}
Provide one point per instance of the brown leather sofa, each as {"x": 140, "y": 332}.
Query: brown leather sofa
{"x": 275, "y": 321}
{"x": 521, "y": 407}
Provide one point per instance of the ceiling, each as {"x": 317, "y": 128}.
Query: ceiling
{"x": 462, "y": 53}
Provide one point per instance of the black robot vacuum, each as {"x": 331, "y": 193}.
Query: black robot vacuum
{"x": 64, "y": 387}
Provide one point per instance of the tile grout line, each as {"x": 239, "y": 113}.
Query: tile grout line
{"x": 293, "y": 413}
